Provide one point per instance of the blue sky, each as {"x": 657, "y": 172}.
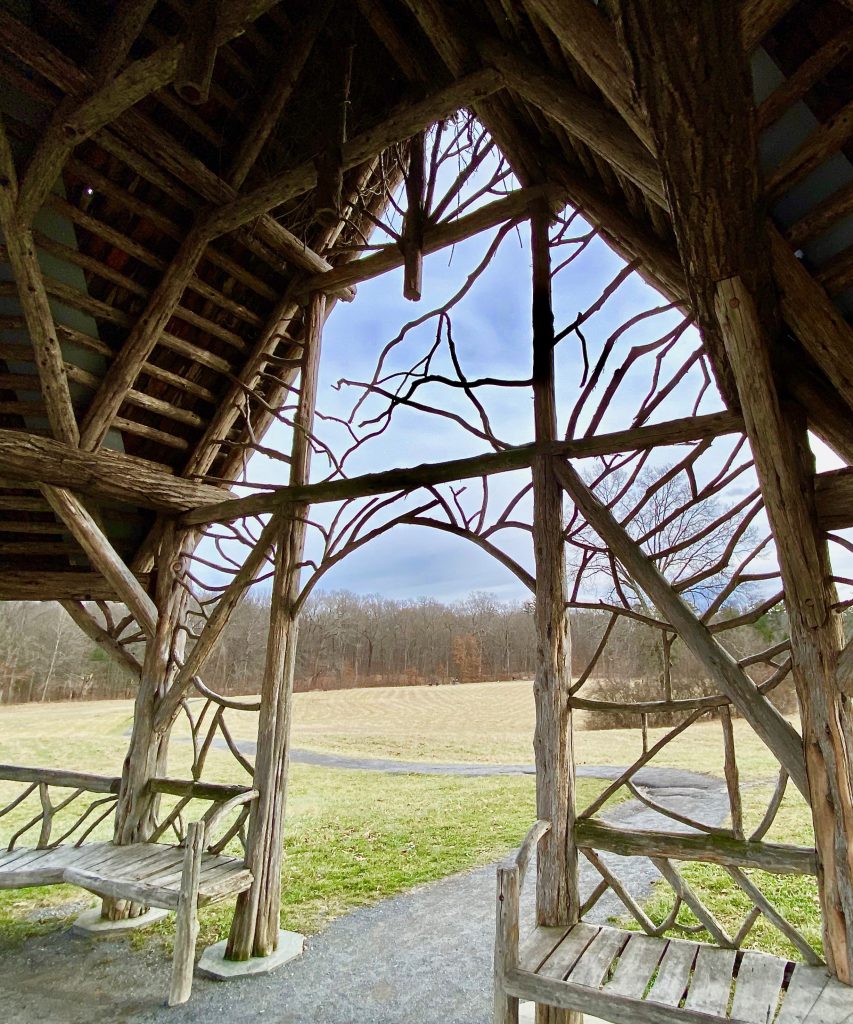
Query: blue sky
{"x": 491, "y": 328}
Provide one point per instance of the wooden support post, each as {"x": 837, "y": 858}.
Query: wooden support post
{"x": 557, "y": 897}
{"x": 414, "y": 221}
{"x": 186, "y": 917}
{"x": 506, "y": 941}
{"x": 785, "y": 469}
{"x": 254, "y": 931}
{"x": 136, "y": 813}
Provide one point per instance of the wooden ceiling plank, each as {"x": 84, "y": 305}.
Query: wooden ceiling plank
{"x": 283, "y": 84}
{"x": 143, "y": 336}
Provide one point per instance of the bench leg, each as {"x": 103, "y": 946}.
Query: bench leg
{"x": 506, "y": 1007}
{"x": 186, "y": 921}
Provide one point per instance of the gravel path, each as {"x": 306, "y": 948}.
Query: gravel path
{"x": 421, "y": 957}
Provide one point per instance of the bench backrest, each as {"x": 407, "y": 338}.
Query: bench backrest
{"x": 40, "y": 817}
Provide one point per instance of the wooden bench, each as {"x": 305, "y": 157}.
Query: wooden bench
{"x": 179, "y": 877}
{"x": 632, "y": 978}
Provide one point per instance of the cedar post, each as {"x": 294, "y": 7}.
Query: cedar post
{"x": 136, "y": 812}
{"x": 557, "y": 899}
{"x": 254, "y": 931}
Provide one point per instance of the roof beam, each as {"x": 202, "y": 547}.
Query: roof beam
{"x": 404, "y": 122}
{"x": 39, "y": 585}
{"x": 98, "y": 106}
{"x": 105, "y": 474}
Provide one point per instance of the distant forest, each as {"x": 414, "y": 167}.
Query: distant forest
{"x": 348, "y": 640}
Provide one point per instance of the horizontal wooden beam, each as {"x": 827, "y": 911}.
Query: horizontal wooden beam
{"x": 712, "y": 849}
{"x": 60, "y": 777}
{"x": 102, "y": 474}
{"x": 439, "y": 236}
{"x": 834, "y": 498}
{"x": 672, "y": 432}
{"x": 38, "y": 585}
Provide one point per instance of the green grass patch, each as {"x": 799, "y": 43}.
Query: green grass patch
{"x": 795, "y": 897}
{"x": 351, "y": 838}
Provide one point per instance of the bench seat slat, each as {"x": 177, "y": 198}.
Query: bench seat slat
{"x": 636, "y": 966}
{"x": 757, "y": 988}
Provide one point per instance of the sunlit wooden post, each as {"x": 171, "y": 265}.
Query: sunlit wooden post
{"x": 557, "y": 899}
{"x": 255, "y": 929}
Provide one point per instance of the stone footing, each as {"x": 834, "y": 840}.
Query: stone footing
{"x": 90, "y": 922}
{"x": 214, "y": 965}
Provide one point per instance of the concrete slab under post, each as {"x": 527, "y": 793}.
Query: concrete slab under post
{"x": 94, "y": 925}
{"x": 213, "y": 963}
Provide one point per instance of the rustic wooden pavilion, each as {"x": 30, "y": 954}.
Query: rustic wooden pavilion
{"x": 184, "y": 189}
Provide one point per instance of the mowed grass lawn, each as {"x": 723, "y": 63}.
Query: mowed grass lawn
{"x": 353, "y": 837}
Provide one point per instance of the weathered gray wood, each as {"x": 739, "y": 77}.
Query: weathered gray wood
{"x": 595, "y": 961}
{"x": 711, "y": 983}
{"x": 797, "y": 940}
{"x": 506, "y": 941}
{"x": 102, "y": 554}
{"x": 615, "y": 1008}
{"x": 217, "y": 791}
{"x": 803, "y": 991}
{"x": 536, "y": 947}
{"x": 186, "y": 919}
{"x": 557, "y": 892}
{"x": 688, "y": 896}
{"x": 634, "y": 439}
{"x": 636, "y": 966}
{"x": 619, "y": 890}
{"x": 255, "y": 928}
{"x": 566, "y": 955}
{"x": 60, "y": 777}
{"x": 674, "y": 973}
{"x": 713, "y": 849}
{"x": 757, "y": 988}
{"x": 102, "y": 474}
{"x": 93, "y": 629}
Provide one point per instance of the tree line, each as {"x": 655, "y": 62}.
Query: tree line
{"x": 351, "y": 640}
